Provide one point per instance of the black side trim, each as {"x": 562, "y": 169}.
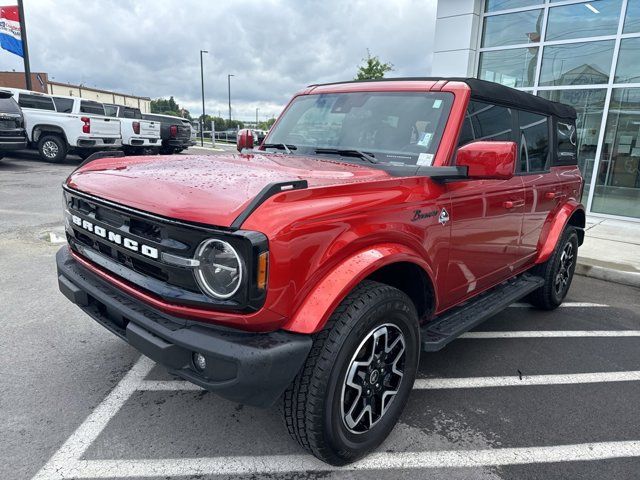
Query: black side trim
{"x": 443, "y": 174}
{"x": 267, "y": 192}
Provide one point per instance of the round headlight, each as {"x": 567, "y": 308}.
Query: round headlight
{"x": 219, "y": 272}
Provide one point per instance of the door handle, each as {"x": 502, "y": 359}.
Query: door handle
{"x": 556, "y": 195}
{"x": 512, "y": 204}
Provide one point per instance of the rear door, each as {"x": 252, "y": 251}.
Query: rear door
{"x": 486, "y": 215}
{"x": 542, "y": 188}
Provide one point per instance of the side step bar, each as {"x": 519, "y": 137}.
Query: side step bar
{"x": 436, "y": 334}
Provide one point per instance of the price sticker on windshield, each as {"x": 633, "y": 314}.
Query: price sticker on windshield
{"x": 437, "y": 103}
{"x": 425, "y": 139}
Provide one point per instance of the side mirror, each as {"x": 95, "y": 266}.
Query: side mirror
{"x": 488, "y": 160}
{"x": 245, "y": 139}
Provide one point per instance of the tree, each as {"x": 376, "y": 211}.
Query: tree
{"x": 372, "y": 68}
{"x": 266, "y": 125}
{"x": 169, "y": 107}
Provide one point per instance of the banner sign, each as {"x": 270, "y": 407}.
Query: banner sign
{"x": 10, "y": 38}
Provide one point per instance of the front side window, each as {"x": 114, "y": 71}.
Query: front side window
{"x": 35, "y": 101}
{"x": 394, "y": 127}
{"x": 93, "y": 108}
{"x": 534, "y": 141}
{"x": 485, "y": 121}
{"x": 63, "y": 105}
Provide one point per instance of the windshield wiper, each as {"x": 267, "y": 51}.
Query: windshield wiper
{"x": 348, "y": 152}
{"x": 281, "y": 146}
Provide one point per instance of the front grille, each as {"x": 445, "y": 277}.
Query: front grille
{"x": 169, "y": 281}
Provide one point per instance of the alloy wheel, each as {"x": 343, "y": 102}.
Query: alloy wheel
{"x": 373, "y": 378}
{"x": 565, "y": 268}
{"x": 50, "y": 149}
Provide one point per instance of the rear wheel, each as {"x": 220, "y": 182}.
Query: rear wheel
{"x": 357, "y": 378}
{"x": 52, "y": 148}
{"x": 557, "y": 272}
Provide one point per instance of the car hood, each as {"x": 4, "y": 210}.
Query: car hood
{"x": 210, "y": 189}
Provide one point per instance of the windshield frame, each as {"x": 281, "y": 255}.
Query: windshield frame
{"x": 384, "y": 157}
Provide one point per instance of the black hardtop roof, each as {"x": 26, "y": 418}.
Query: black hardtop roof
{"x": 494, "y": 93}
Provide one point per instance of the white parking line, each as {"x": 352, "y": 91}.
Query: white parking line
{"x": 563, "y": 305}
{"x": 552, "y": 334}
{"x": 75, "y": 446}
{"x": 273, "y": 464}
{"x": 525, "y": 380}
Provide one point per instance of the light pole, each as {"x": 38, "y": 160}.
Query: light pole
{"x": 202, "y": 85}
{"x": 257, "y": 109}
{"x": 229, "y": 87}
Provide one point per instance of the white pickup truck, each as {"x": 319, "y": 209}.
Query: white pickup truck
{"x": 138, "y": 135}
{"x": 57, "y": 125}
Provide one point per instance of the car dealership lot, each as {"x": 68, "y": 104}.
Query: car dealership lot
{"x": 527, "y": 395}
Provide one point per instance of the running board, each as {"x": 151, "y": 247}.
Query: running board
{"x": 436, "y": 334}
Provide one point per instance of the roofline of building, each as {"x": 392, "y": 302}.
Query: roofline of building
{"x": 70, "y": 85}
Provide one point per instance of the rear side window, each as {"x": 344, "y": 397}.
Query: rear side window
{"x": 534, "y": 141}
{"x": 485, "y": 121}
{"x": 9, "y": 105}
{"x": 64, "y": 105}
{"x": 94, "y": 108}
{"x": 131, "y": 113}
{"x": 35, "y": 101}
{"x": 567, "y": 143}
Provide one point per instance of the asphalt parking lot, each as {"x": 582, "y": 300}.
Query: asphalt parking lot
{"x": 528, "y": 395}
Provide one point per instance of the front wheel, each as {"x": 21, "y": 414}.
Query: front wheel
{"x": 557, "y": 272}
{"x": 358, "y": 376}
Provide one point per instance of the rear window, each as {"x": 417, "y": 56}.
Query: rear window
{"x": 155, "y": 118}
{"x": 131, "y": 113}
{"x": 9, "y": 105}
{"x": 35, "y": 101}
{"x": 93, "y": 108}
{"x": 64, "y": 105}
{"x": 111, "y": 110}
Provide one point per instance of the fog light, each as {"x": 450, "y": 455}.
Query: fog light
{"x": 199, "y": 362}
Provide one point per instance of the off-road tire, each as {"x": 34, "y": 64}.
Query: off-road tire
{"x": 52, "y": 148}
{"x": 548, "y": 297}
{"x": 312, "y": 403}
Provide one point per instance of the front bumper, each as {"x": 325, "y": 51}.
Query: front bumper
{"x": 249, "y": 368}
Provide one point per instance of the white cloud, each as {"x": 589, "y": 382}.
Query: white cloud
{"x": 273, "y": 47}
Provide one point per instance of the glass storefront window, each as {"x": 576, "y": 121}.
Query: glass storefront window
{"x": 617, "y": 189}
{"x": 628, "y": 67}
{"x": 496, "y": 5}
{"x": 514, "y": 68}
{"x": 580, "y": 20}
{"x": 632, "y": 20}
{"x": 582, "y": 63}
{"x": 512, "y": 28}
{"x": 589, "y": 105}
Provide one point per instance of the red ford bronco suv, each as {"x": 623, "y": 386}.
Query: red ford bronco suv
{"x": 377, "y": 219}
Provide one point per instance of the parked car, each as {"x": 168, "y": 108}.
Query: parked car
{"x": 175, "y": 132}
{"x": 376, "y": 220}
{"x": 57, "y": 125}
{"x": 12, "y": 133}
{"x": 138, "y": 135}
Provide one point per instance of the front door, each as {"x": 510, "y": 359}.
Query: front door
{"x": 486, "y": 215}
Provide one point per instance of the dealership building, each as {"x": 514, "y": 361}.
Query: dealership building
{"x": 583, "y": 53}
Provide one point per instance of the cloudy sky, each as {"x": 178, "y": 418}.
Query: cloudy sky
{"x": 273, "y": 47}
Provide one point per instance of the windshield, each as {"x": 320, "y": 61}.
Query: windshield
{"x": 393, "y": 127}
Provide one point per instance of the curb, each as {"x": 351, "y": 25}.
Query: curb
{"x": 592, "y": 270}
